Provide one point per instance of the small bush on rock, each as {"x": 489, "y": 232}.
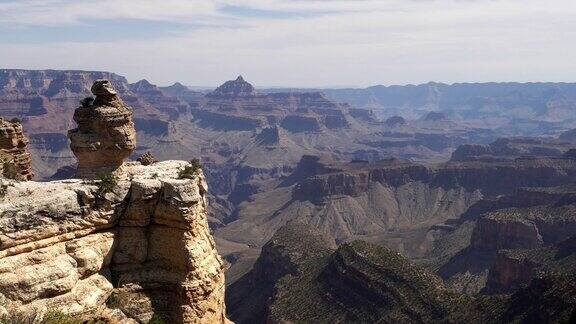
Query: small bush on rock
{"x": 190, "y": 171}
{"x": 113, "y": 302}
{"x": 106, "y": 183}
{"x": 52, "y": 317}
{"x": 58, "y": 317}
{"x": 3, "y": 189}
{"x": 156, "y": 319}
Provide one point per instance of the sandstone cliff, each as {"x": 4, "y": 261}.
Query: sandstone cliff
{"x": 514, "y": 269}
{"x": 120, "y": 249}
{"x": 14, "y": 157}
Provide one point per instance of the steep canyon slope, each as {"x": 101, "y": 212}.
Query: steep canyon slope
{"x": 391, "y": 202}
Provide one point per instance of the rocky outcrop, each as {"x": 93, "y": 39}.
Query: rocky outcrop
{"x": 464, "y": 152}
{"x": 570, "y": 154}
{"x": 147, "y": 159}
{"x": 250, "y": 298}
{"x": 294, "y": 111}
{"x": 491, "y": 178}
{"x": 225, "y": 122}
{"x": 375, "y": 284}
{"x": 139, "y": 244}
{"x": 362, "y": 114}
{"x": 525, "y": 228}
{"x": 154, "y": 96}
{"x": 15, "y": 160}
{"x": 366, "y": 283}
{"x": 509, "y": 148}
{"x": 271, "y": 136}
{"x": 357, "y": 283}
{"x": 511, "y": 236}
{"x": 514, "y": 269}
{"x": 509, "y": 272}
{"x": 435, "y": 116}
{"x": 298, "y": 124}
{"x": 105, "y": 135}
{"x": 395, "y": 121}
{"x": 569, "y": 135}
{"x": 502, "y": 230}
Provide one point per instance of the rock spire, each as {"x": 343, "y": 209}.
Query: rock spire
{"x": 15, "y": 160}
{"x": 105, "y": 135}
{"x": 233, "y": 89}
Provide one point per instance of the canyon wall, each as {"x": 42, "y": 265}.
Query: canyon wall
{"x": 122, "y": 250}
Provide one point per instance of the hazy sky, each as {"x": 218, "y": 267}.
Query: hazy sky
{"x": 295, "y": 42}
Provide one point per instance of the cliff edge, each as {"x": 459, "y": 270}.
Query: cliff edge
{"x": 123, "y": 248}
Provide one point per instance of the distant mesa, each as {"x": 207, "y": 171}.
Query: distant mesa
{"x": 236, "y": 105}
{"x": 467, "y": 151}
{"x": 270, "y": 136}
{"x": 435, "y": 116}
{"x": 395, "y": 121}
{"x": 105, "y": 135}
{"x": 570, "y": 154}
{"x": 233, "y": 89}
{"x": 511, "y": 148}
{"x": 569, "y": 135}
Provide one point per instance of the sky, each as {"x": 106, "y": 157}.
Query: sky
{"x": 295, "y": 43}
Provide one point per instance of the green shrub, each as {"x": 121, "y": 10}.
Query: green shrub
{"x": 52, "y": 317}
{"x": 113, "y": 302}
{"x": 156, "y": 319}
{"x": 58, "y": 317}
{"x": 15, "y": 121}
{"x": 3, "y": 189}
{"x": 17, "y": 319}
{"x": 106, "y": 183}
{"x": 190, "y": 171}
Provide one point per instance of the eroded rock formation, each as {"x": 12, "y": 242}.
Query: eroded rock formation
{"x": 357, "y": 283}
{"x": 140, "y": 244}
{"x": 105, "y": 135}
{"x": 236, "y": 105}
{"x": 15, "y": 160}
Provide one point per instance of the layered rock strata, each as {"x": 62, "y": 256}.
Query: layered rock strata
{"x": 236, "y": 105}
{"x": 514, "y": 269}
{"x": 105, "y": 135}
{"x": 509, "y": 237}
{"x": 135, "y": 247}
{"x": 15, "y": 160}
